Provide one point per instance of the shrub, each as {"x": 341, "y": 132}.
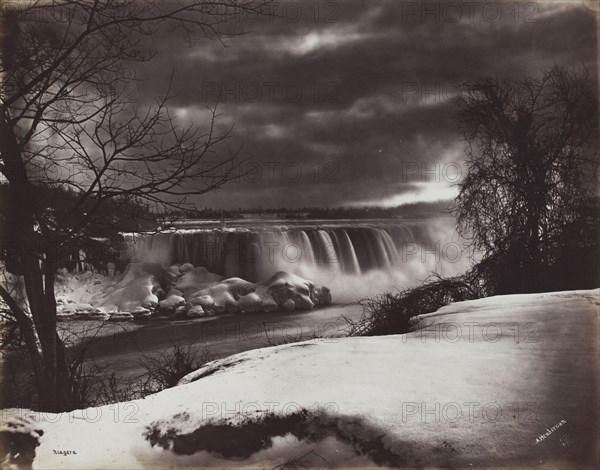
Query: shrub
{"x": 93, "y": 385}
{"x": 390, "y": 313}
{"x": 166, "y": 369}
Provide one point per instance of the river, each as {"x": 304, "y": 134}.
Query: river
{"x": 120, "y": 347}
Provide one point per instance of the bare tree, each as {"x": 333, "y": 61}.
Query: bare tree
{"x": 529, "y": 198}
{"x": 70, "y": 125}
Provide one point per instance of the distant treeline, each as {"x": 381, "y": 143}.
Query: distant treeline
{"x": 409, "y": 211}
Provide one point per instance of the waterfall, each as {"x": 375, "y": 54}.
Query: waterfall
{"x": 256, "y": 253}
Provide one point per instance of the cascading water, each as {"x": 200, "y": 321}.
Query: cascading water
{"x": 255, "y": 254}
{"x": 343, "y": 257}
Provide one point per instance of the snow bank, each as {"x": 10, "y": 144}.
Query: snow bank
{"x": 474, "y": 384}
{"x": 180, "y": 291}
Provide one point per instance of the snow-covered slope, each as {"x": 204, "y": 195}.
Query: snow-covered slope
{"x": 502, "y": 381}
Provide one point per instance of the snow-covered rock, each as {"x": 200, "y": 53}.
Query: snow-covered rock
{"x": 195, "y": 311}
{"x": 195, "y": 279}
{"x": 184, "y": 268}
{"x": 176, "y": 292}
{"x": 204, "y": 300}
{"x": 135, "y": 288}
{"x": 250, "y": 302}
{"x": 20, "y": 435}
{"x": 65, "y": 315}
{"x": 140, "y": 311}
{"x": 321, "y": 296}
{"x": 171, "y": 304}
{"x": 147, "y": 288}
{"x": 173, "y": 274}
{"x": 181, "y": 311}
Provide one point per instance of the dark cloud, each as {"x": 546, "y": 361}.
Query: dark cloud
{"x": 334, "y": 107}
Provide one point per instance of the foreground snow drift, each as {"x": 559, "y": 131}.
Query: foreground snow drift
{"x": 501, "y": 381}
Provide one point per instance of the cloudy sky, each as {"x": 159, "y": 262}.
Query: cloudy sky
{"x": 349, "y": 102}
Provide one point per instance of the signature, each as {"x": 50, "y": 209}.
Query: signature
{"x": 64, "y": 452}
{"x": 543, "y": 436}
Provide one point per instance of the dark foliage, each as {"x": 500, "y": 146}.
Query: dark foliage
{"x": 391, "y": 313}
{"x": 529, "y": 200}
{"x": 166, "y": 369}
{"x": 100, "y": 241}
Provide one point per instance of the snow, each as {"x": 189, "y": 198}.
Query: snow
{"x": 475, "y": 383}
{"x": 172, "y": 301}
{"x": 98, "y": 294}
{"x": 195, "y": 278}
{"x": 143, "y": 285}
{"x": 134, "y": 289}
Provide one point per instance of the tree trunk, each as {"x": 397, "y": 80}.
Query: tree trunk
{"x": 49, "y": 364}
